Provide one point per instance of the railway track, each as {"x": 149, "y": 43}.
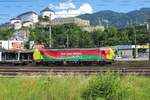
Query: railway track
{"x": 139, "y": 68}
{"x": 75, "y": 70}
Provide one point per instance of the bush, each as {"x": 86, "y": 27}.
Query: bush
{"x": 105, "y": 87}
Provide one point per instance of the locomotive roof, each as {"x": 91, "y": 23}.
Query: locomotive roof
{"x": 75, "y": 48}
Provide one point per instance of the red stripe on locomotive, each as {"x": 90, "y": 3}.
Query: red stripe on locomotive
{"x": 56, "y": 53}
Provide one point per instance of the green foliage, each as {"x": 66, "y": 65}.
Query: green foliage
{"x": 108, "y": 86}
{"x": 60, "y": 33}
{"x": 6, "y": 34}
{"x": 111, "y": 86}
{"x": 73, "y": 36}
{"x": 39, "y": 35}
{"x": 105, "y": 87}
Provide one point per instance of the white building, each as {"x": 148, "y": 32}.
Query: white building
{"x": 14, "y": 20}
{"x": 28, "y": 16}
{"x": 27, "y": 24}
{"x": 11, "y": 44}
{"x": 48, "y": 13}
{"x": 92, "y": 28}
{"x": 17, "y": 25}
{"x": 78, "y": 21}
{"x": 21, "y": 35}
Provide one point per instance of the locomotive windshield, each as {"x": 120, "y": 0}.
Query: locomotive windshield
{"x": 102, "y": 52}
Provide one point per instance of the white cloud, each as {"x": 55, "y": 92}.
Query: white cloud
{"x": 85, "y": 8}
{"x": 74, "y": 12}
{"x": 66, "y": 5}
{"x": 62, "y": 13}
{"x": 69, "y": 13}
{"x": 68, "y": 9}
{"x": 51, "y": 6}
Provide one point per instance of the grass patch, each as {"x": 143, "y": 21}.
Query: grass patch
{"x": 42, "y": 88}
{"x": 109, "y": 86}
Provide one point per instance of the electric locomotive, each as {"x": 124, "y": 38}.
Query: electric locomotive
{"x": 74, "y": 56}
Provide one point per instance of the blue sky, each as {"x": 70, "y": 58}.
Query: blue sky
{"x": 11, "y": 8}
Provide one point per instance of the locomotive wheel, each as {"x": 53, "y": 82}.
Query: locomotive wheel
{"x": 37, "y": 63}
{"x": 58, "y": 63}
{"x": 102, "y": 63}
{"x": 72, "y": 63}
{"x": 86, "y": 63}
{"x": 24, "y": 63}
{"x": 16, "y": 64}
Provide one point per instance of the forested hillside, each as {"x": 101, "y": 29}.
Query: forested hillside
{"x": 118, "y": 19}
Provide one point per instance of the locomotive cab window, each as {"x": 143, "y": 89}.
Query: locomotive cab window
{"x": 102, "y": 52}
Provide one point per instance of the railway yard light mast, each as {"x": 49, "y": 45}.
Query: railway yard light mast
{"x": 149, "y": 34}
{"x": 50, "y": 33}
{"x": 135, "y": 42}
{"x": 67, "y": 41}
{"x": 133, "y": 26}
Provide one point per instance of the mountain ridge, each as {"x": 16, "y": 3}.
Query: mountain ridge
{"x": 118, "y": 19}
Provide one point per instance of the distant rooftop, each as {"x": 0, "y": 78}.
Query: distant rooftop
{"x": 29, "y": 12}
{"x": 26, "y": 22}
{"x": 47, "y": 9}
{"x": 66, "y": 18}
{"x": 15, "y": 19}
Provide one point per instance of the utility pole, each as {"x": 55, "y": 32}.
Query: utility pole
{"x": 67, "y": 36}
{"x": 50, "y": 33}
{"x": 135, "y": 42}
{"x": 8, "y": 44}
{"x": 67, "y": 41}
{"x": 149, "y": 44}
{"x": 149, "y": 34}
